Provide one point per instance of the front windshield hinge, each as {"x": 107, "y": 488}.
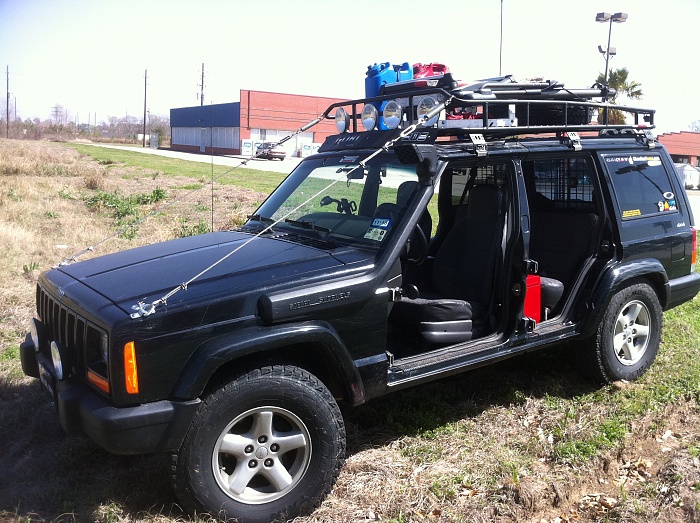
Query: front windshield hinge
{"x": 390, "y": 357}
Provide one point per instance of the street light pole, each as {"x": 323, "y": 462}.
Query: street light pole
{"x": 618, "y": 18}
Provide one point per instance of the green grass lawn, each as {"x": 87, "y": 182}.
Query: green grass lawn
{"x": 254, "y": 179}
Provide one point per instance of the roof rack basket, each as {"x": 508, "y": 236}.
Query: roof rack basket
{"x": 500, "y": 107}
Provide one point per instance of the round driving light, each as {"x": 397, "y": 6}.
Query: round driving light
{"x": 56, "y": 357}
{"x": 342, "y": 120}
{"x": 392, "y": 114}
{"x": 370, "y": 115}
{"x": 424, "y": 107}
{"x": 34, "y": 334}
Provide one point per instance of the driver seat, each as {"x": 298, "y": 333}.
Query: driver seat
{"x": 456, "y": 306}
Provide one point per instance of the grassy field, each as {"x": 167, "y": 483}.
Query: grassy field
{"x": 527, "y": 440}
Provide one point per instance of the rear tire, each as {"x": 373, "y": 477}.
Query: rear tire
{"x": 267, "y": 446}
{"x": 627, "y": 340}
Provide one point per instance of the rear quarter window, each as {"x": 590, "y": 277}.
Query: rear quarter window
{"x": 642, "y": 185}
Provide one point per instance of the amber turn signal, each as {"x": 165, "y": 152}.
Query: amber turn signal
{"x": 131, "y": 376}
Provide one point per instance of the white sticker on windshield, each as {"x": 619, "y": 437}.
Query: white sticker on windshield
{"x": 375, "y": 233}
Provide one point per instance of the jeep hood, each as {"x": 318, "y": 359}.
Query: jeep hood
{"x": 148, "y": 273}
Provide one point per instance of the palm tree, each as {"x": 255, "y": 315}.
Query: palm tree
{"x": 618, "y": 79}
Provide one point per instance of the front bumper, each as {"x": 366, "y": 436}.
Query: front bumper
{"x": 158, "y": 426}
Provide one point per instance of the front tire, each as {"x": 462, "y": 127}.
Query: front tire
{"x": 267, "y": 446}
{"x": 627, "y": 340}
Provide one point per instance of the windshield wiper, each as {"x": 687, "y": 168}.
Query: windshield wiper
{"x": 307, "y": 225}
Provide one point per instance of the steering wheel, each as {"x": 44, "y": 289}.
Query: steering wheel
{"x": 422, "y": 247}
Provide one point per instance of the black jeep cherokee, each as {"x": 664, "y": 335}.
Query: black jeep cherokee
{"x": 476, "y": 226}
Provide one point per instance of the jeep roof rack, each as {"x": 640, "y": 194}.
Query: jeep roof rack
{"x": 495, "y": 108}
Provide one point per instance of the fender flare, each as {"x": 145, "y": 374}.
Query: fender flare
{"x": 615, "y": 278}
{"x": 210, "y": 356}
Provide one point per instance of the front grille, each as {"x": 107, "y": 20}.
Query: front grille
{"x": 65, "y": 327}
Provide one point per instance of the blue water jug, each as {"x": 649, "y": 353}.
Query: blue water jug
{"x": 381, "y": 74}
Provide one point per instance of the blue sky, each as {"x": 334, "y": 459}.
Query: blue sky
{"x": 90, "y": 55}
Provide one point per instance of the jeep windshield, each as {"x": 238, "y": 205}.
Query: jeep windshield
{"x": 337, "y": 199}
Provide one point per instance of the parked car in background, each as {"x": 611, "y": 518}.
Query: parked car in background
{"x": 688, "y": 175}
{"x": 271, "y": 151}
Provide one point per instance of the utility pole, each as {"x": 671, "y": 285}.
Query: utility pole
{"x": 7, "y": 105}
{"x": 145, "y": 82}
{"x": 201, "y": 96}
{"x": 500, "y": 45}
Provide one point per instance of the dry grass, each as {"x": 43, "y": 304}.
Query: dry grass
{"x": 45, "y": 220}
{"x": 521, "y": 441}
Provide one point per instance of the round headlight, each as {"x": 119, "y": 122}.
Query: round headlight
{"x": 34, "y": 334}
{"x": 424, "y": 107}
{"x": 342, "y": 120}
{"x": 392, "y": 114}
{"x": 370, "y": 115}
{"x": 56, "y": 357}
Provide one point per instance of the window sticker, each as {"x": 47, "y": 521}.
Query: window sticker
{"x": 349, "y": 159}
{"x": 651, "y": 161}
{"x": 668, "y": 203}
{"x": 377, "y": 231}
{"x": 376, "y": 234}
{"x": 382, "y": 223}
{"x": 630, "y": 213}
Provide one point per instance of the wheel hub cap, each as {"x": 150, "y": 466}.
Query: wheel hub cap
{"x": 261, "y": 455}
{"x": 632, "y": 329}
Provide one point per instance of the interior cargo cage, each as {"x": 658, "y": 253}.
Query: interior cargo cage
{"x": 494, "y": 108}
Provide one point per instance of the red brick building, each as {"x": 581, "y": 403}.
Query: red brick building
{"x": 684, "y": 146}
{"x": 259, "y": 116}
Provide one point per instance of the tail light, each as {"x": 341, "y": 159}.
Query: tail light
{"x": 694, "y": 255}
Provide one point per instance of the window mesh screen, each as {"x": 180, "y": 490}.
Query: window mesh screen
{"x": 565, "y": 183}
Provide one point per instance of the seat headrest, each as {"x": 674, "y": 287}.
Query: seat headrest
{"x": 484, "y": 200}
{"x": 405, "y": 192}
